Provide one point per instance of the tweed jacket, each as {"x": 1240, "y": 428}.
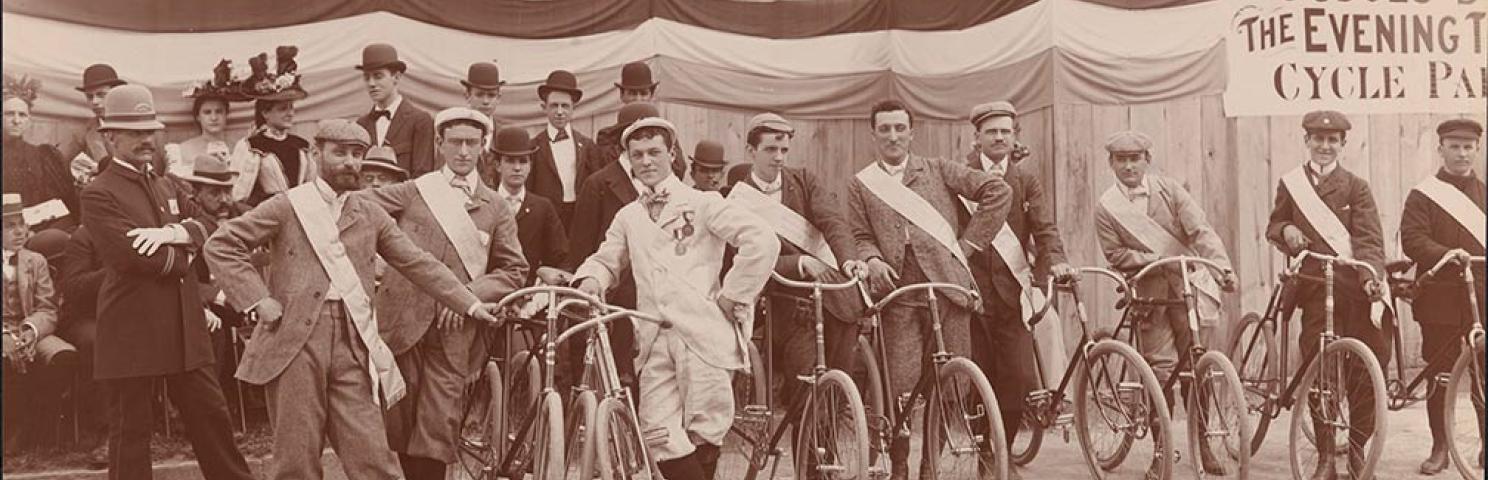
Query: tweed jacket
{"x": 1170, "y": 206}
{"x": 33, "y": 284}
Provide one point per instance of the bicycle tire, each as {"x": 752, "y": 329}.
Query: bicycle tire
{"x": 1023, "y": 453}
{"x": 832, "y": 390}
{"x": 961, "y": 378}
{"x": 1301, "y": 414}
{"x": 875, "y": 407}
{"x": 1151, "y": 413}
{"x": 619, "y": 454}
{"x": 578, "y": 437}
{"x": 523, "y": 387}
{"x": 1259, "y": 375}
{"x": 1215, "y": 379}
{"x": 481, "y": 441}
{"x": 547, "y": 439}
{"x": 1467, "y": 373}
{"x": 748, "y": 427}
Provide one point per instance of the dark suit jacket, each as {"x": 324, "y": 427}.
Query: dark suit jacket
{"x": 802, "y": 193}
{"x": 544, "y": 177}
{"x": 411, "y": 134}
{"x": 1032, "y": 220}
{"x": 1427, "y": 232}
{"x": 541, "y": 234}
{"x": 1349, "y": 198}
{"x": 81, "y": 275}
{"x": 880, "y": 231}
{"x": 601, "y": 196}
{"x": 150, "y": 318}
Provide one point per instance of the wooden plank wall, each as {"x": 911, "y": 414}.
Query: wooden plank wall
{"x": 1231, "y": 165}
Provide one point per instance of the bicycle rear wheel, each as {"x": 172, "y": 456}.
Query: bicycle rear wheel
{"x": 1121, "y": 413}
{"x": 579, "y": 437}
{"x": 752, "y": 415}
{"x": 831, "y": 440}
{"x": 965, "y": 437}
{"x": 619, "y": 454}
{"x": 1218, "y": 426}
{"x": 875, "y": 408}
{"x": 1255, "y": 359}
{"x": 481, "y": 440}
{"x": 1029, "y": 439}
{"x": 547, "y": 439}
{"x": 1464, "y": 414}
{"x": 1335, "y": 395}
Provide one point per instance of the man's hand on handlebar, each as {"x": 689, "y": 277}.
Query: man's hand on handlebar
{"x": 731, "y": 309}
{"x": 1062, "y": 272}
{"x": 1460, "y": 256}
{"x": 590, "y": 286}
{"x": 486, "y": 312}
{"x": 1228, "y": 282}
{"x": 855, "y": 269}
{"x": 1374, "y": 290}
{"x": 553, "y": 276}
{"x": 813, "y": 268}
{"x": 881, "y": 276}
{"x": 1295, "y": 239}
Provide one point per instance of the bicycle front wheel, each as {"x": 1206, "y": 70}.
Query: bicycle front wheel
{"x": 547, "y": 439}
{"x": 1340, "y": 405}
{"x": 1218, "y": 426}
{"x": 831, "y": 440}
{"x": 964, "y": 432}
{"x": 619, "y": 454}
{"x": 481, "y": 441}
{"x": 1121, "y": 413}
{"x": 1255, "y": 359}
{"x": 1464, "y": 415}
{"x": 579, "y": 437}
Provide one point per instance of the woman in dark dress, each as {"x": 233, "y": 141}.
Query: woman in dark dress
{"x": 37, "y": 172}
{"x": 271, "y": 159}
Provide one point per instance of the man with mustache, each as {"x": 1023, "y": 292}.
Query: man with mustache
{"x": 328, "y": 373}
{"x": 909, "y": 225}
{"x": 393, "y": 122}
{"x": 1444, "y": 217}
{"x": 151, "y": 325}
{"x": 1322, "y": 207}
{"x": 452, "y": 213}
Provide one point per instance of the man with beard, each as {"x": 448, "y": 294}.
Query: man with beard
{"x": 392, "y": 121}
{"x": 87, "y": 149}
{"x": 452, "y": 213}
{"x": 150, "y": 321}
{"x": 1322, "y": 207}
{"x": 328, "y": 373}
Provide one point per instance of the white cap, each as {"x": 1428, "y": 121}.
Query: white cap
{"x": 461, "y": 113}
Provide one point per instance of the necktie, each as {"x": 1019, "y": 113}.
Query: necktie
{"x": 462, "y": 185}
{"x": 654, "y": 202}
{"x": 514, "y": 203}
{"x": 380, "y": 114}
{"x": 561, "y": 136}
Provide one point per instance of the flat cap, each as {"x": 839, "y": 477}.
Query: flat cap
{"x": 340, "y": 130}
{"x": 1462, "y": 128}
{"x": 461, "y": 113}
{"x": 992, "y": 109}
{"x": 1129, "y": 141}
{"x": 770, "y": 121}
{"x": 647, "y": 122}
{"x": 1325, "y": 121}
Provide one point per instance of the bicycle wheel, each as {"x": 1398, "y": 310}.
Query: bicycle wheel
{"x": 875, "y": 408}
{"x": 1121, "y": 412}
{"x": 1464, "y": 415}
{"x": 964, "y": 436}
{"x": 619, "y": 454}
{"x": 1255, "y": 359}
{"x": 1029, "y": 439}
{"x": 752, "y": 415}
{"x": 1218, "y": 427}
{"x": 481, "y": 442}
{"x": 523, "y": 386}
{"x": 578, "y": 434}
{"x": 547, "y": 439}
{"x": 831, "y": 440}
{"x": 1335, "y": 393}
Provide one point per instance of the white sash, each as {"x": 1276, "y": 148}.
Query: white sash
{"x": 448, "y": 206}
{"x": 1327, "y": 224}
{"x": 1456, "y": 203}
{"x": 315, "y": 218}
{"x": 1157, "y": 239}
{"x": 786, "y": 222}
{"x": 913, "y": 207}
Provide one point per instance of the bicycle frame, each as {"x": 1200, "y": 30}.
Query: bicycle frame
{"x": 1188, "y": 299}
{"x": 1047, "y": 403}
{"x": 1401, "y": 394}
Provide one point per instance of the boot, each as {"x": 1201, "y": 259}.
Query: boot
{"x": 1325, "y": 469}
{"x": 899, "y": 459}
{"x": 1435, "y": 463}
{"x": 685, "y": 468}
{"x": 707, "y": 455}
{"x": 1209, "y": 462}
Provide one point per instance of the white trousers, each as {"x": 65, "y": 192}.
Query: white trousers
{"x": 684, "y": 400}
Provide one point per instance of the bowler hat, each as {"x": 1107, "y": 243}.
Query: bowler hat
{"x": 129, "y": 107}
{"x": 99, "y": 75}
{"x": 513, "y": 142}
{"x": 483, "y": 75}
{"x": 11, "y": 204}
{"x": 381, "y": 55}
{"x": 385, "y": 158}
{"x": 635, "y": 111}
{"x": 562, "y": 81}
{"x": 1460, "y": 128}
{"x": 1325, "y": 121}
{"x": 636, "y": 76}
{"x": 708, "y": 153}
{"x": 211, "y": 170}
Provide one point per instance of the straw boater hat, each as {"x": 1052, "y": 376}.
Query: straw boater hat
{"x": 211, "y": 170}
{"x": 636, "y": 76}
{"x": 381, "y": 55}
{"x": 483, "y": 75}
{"x": 99, "y": 75}
{"x": 129, "y": 107}
{"x": 462, "y": 113}
{"x": 384, "y": 158}
{"x": 12, "y": 204}
{"x": 560, "y": 81}
{"x": 513, "y": 142}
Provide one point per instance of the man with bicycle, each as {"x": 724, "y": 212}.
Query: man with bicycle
{"x": 909, "y": 225}
{"x": 1324, "y": 208}
{"x": 672, "y": 240}
{"x": 1141, "y": 219}
{"x": 1443, "y": 217}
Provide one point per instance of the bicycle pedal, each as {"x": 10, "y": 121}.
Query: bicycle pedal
{"x": 757, "y": 410}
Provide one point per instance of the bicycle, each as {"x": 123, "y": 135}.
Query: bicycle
{"x": 1320, "y": 387}
{"x": 1464, "y": 379}
{"x": 1215, "y": 396}
{"x": 963, "y": 432}
{"x": 1113, "y": 388}
{"x": 820, "y": 448}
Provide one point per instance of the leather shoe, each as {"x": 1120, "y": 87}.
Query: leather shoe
{"x": 1435, "y": 463}
{"x": 1325, "y": 469}
{"x": 1209, "y": 462}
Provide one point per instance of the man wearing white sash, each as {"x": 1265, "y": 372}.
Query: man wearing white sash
{"x": 814, "y": 242}
{"x": 672, "y": 239}
{"x": 1025, "y": 250}
{"x": 1141, "y": 219}
{"x": 1444, "y": 217}
{"x": 1324, "y": 208}
{"x": 905, "y": 216}
{"x": 450, "y": 213}
{"x": 328, "y": 373}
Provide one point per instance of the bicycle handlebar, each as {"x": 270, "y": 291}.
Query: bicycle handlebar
{"x": 1296, "y": 262}
{"x": 1447, "y": 259}
{"x": 615, "y": 313}
{"x": 554, "y": 290}
{"x": 778, "y": 278}
{"x": 874, "y": 308}
{"x": 1221, "y": 269}
{"x": 1122, "y": 288}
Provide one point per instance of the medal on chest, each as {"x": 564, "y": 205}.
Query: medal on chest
{"x": 680, "y": 235}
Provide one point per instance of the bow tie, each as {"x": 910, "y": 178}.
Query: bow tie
{"x": 561, "y": 136}
{"x": 654, "y": 202}
{"x": 379, "y": 114}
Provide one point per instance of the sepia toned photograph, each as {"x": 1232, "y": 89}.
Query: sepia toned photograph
{"x": 744, "y": 239}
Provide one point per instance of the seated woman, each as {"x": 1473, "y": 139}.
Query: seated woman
{"x": 37, "y": 365}
{"x": 36, "y": 172}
